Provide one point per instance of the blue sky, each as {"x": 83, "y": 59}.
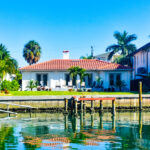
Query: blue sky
{"x": 72, "y": 25}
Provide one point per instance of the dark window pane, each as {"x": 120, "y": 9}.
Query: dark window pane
{"x": 67, "y": 78}
{"x": 45, "y": 79}
{"x": 111, "y": 79}
{"x": 38, "y": 79}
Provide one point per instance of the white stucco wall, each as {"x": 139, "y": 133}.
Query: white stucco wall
{"x": 140, "y": 60}
{"x": 58, "y": 78}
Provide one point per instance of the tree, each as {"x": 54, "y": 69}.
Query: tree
{"x": 121, "y": 84}
{"x": 7, "y": 63}
{"x": 82, "y": 74}
{"x": 74, "y": 71}
{"x": 32, "y": 52}
{"x": 32, "y": 84}
{"x": 123, "y": 46}
{"x": 86, "y": 57}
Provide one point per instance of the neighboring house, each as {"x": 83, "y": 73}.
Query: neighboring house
{"x": 104, "y": 57}
{"x": 55, "y": 75}
{"x": 141, "y": 62}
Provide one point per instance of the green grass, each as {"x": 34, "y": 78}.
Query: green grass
{"x": 38, "y": 93}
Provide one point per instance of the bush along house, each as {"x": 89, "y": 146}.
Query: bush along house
{"x": 54, "y": 75}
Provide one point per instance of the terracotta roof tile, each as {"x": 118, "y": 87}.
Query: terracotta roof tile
{"x": 64, "y": 64}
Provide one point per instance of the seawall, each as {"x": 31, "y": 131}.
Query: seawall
{"x": 57, "y": 102}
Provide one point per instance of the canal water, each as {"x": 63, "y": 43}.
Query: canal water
{"x": 46, "y": 131}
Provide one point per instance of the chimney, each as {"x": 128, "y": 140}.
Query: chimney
{"x": 65, "y": 54}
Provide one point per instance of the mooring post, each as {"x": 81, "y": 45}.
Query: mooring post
{"x": 140, "y": 125}
{"x": 66, "y": 105}
{"x": 66, "y": 122}
{"x": 81, "y": 121}
{"x": 101, "y": 121}
{"x": 92, "y": 106}
{"x": 113, "y": 123}
{"x": 113, "y": 107}
{"x": 81, "y": 106}
{"x": 92, "y": 120}
{"x": 101, "y": 106}
{"x": 84, "y": 107}
{"x": 75, "y": 106}
{"x": 140, "y": 96}
{"x": 30, "y": 112}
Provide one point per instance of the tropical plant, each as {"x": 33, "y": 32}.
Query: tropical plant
{"x": 86, "y": 57}
{"x": 9, "y": 85}
{"x": 14, "y": 85}
{"x": 120, "y": 84}
{"x": 124, "y": 46}
{"x": 32, "y": 52}
{"x": 32, "y": 84}
{"x": 74, "y": 71}
{"x": 7, "y": 63}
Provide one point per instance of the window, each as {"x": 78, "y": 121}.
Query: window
{"x": 39, "y": 79}
{"x": 118, "y": 78}
{"x": 137, "y": 59}
{"x": 111, "y": 79}
{"x": 114, "y": 79}
{"x": 42, "y": 79}
{"x": 67, "y": 78}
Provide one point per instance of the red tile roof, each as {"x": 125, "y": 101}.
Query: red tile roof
{"x": 64, "y": 64}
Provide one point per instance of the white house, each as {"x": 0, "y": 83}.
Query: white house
{"x": 54, "y": 73}
{"x": 141, "y": 62}
{"x": 104, "y": 57}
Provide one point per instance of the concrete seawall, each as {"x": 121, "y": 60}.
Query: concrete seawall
{"x": 57, "y": 102}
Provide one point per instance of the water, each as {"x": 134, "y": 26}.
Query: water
{"x": 45, "y": 131}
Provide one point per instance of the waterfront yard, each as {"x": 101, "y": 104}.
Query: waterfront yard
{"x": 35, "y": 93}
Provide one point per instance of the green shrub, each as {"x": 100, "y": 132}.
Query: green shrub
{"x": 145, "y": 88}
{"x": 9, "y": 86}
{"x": 14, "y": 85}
{"x": 6, "y": 85}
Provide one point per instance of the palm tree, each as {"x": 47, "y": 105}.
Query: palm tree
{"x": 32, "y": 52}
{"x": 124, "y": 45}
{"x": 74, "y": 71}
{"x": 32, "y": 84}
{"x": 86, "y": 57}
{"x": 7, "y": 63}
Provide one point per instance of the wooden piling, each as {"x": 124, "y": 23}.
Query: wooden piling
{"x": 92, "y": 106}
{"x": 113, "y": 107}
{"x": 66, "y": 105}
{"x": 75, "y": 106}
{"x": 84, "y": 107}
{"x": 101, "y": 106}
{"x": 81, "y": 106}
{"x": 140, "y": 96}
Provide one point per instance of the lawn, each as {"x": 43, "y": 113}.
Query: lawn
{"x": 38, "y": 93}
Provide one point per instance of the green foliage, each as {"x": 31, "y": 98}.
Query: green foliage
{"x": 15, "y": 85}
{"x": 18, "y": 76}
{"x": 9, "y": 85}
{"x": 86, "y": 57}
{"x": 145, "y": 88}
{"x": 123, "y": 46}
{"x": 123, "y": 60}
{"x": 32, "y": 84}
{"x": 5, "y": 85}
{"x": 121, "y": 84}
{"x": 32, "y": 52}
{"x": 74, "y": 71}
{"x": 7, "y": 63}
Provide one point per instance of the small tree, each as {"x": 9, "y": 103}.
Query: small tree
{"x": 32, "y": 84}
{"x": 121, "y": 84}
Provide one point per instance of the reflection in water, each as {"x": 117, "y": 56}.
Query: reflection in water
{"x": 86, "y": 131}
